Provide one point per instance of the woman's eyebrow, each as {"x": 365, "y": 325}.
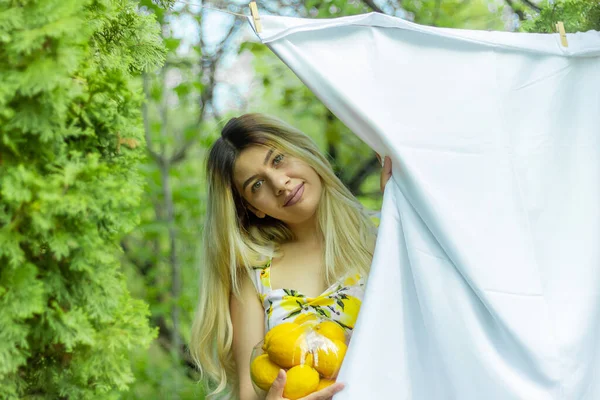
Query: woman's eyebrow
{"x": 247, "y": 181}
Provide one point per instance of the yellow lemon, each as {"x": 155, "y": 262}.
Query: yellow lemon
{"x": 323, "y": 383}
{"x": 331, "y": 331}
{"x": 308, "y": 359}
{"x": 301, "y": 380}
{"x": 281, "y": 329}
{"x": 286, "y": 350}
{"x": 328, "y": 359}
{"x": 263, "y": 371}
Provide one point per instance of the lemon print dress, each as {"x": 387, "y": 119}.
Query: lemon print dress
{"x": 339, "y": 303}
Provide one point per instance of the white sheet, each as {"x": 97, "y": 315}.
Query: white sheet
{"x": 486, "y": 279}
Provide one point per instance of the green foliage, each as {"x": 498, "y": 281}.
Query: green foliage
{"x": 158, "y": 377}
{"x": 71, "y": 131}
{"x": 577, "y": 15}
{"x": 163, "y": 243}
{"x": 158, "y": 374}
{"x": 464, "y": 14}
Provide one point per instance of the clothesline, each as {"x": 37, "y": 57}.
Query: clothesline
{"x": 211, "y": 8}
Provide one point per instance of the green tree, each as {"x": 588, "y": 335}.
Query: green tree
{"x": 161, "y": 253}
{"x": 71, "y": 139}
{"x": 577, "y": 15}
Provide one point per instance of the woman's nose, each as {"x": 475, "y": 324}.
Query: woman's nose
{"x": 281, "y": 183}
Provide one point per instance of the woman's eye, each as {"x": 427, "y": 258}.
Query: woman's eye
{"x": 276, "y": 161}
{"x": 256, "y": 186}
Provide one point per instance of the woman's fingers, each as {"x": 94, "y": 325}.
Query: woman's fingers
{"x": 325, "y": 394}
{"x": 276, "y": 390}
{"x": 386, "y": 172}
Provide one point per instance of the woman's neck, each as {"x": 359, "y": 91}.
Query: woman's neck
{"x": 307, "y": 233}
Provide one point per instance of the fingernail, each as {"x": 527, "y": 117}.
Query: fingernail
{"x": 280, "y": 374}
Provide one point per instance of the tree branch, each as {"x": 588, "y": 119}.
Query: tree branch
{"x": 532, "y": 5}
{"x": 373, "y": 6}
{"x": 520, "y": 13}
{"x": 436, "y": 15}
{"x": 165, "y": 341}
{"x": 209, "y": 64}
{"x": 146, "y": 119}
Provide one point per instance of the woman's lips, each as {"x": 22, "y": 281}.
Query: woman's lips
{"x": 296, "y": 196}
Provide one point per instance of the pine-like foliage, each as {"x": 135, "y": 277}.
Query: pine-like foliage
{"x": 577, "y": 15}
{"x": 70, "y": 137}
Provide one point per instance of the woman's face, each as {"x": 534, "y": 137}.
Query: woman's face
{"x": 277, "y": 184}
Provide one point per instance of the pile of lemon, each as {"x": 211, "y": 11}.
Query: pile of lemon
{"x": 311, "y": 353}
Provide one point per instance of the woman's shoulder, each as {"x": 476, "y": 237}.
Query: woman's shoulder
{"x": 259, "y": 274}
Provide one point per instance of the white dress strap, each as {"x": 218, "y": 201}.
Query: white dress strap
{"x": 260, "y": 276}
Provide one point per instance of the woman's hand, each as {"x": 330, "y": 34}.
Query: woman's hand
{"x": 386, "y": 172}
{"x": 276, "y": 391}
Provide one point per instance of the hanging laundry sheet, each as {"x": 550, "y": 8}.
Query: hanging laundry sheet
{"x": 485, "y": 282}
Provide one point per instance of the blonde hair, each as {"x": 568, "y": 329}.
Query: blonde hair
{"x": 234, "y": 239}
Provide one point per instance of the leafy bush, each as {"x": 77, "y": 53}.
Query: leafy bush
{"x": 71, "y": 136}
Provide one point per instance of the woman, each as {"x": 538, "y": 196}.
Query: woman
{"x": 277, "y": 219}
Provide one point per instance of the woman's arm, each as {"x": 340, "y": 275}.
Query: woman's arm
{"x": 247, "y": 317}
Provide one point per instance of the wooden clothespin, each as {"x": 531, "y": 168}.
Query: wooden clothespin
{"x": 560, "y": 27}
{"x": 255, "y": 17}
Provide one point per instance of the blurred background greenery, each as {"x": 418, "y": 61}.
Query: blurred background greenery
{"x": 216, "y": 69}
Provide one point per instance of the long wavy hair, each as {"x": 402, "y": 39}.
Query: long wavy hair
{"x": 234, "y": 239}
